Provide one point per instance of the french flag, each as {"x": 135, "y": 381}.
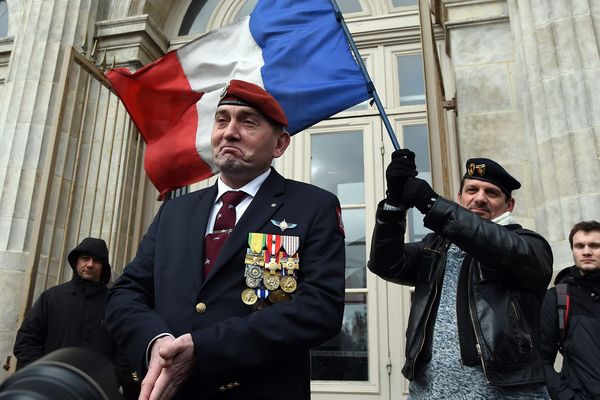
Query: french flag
{"x": 294, "y": 49}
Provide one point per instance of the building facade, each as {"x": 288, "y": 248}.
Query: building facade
{"x": 518, "y": 81}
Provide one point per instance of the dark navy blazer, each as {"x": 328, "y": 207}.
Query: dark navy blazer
{"x": 265, "y": 351}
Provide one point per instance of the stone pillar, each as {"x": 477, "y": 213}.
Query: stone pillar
{"x": 43, "y": 31}
{"x": 557, "y": 46}
{"x": 489, "y": 113}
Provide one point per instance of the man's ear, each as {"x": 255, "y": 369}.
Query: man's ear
{"x": 283, "y": 141}
{"x": 510, "y": 204}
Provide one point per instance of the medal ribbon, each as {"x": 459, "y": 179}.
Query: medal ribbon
{"x": 273, "y": 246}
{"x": 256, "y": 241}
{"x": 291, "y": 244}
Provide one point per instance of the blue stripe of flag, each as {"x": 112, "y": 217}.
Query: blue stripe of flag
{"x": 309, "y": 67}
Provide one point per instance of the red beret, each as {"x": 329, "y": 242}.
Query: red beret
{"x": 242, "y": 93}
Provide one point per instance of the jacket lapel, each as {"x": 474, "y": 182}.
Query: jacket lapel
{"x": 198, "y": 221}
{"x": 263, "y": 206}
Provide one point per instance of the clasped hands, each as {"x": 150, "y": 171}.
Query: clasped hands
{"x": 403, "y": 188}
{"x": 172, "y": 361}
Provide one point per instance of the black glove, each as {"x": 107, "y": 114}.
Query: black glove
{"x": 400, "y": 169}
{"x": 418, "y": 193}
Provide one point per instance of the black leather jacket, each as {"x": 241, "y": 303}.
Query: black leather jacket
{"x": 501, "y": 287}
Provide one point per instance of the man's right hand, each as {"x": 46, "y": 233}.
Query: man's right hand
{"x": 172, "y": 361}
{"x": 154, "y": 367}
{"x": 400, "y": 169}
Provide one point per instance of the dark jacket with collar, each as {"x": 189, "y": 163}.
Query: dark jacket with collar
{"x": 67, "y": 315}
{"x": 503, "y": 280}
{"x": 580, "y": 373}
{"x": 265, "y": 352}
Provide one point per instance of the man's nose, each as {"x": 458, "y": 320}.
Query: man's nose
{"x": 587, "y": 249}
{"x": 232, "y": 130}
{"x": 480, "y": 196}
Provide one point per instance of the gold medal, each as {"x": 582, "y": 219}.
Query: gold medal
{"x": 271, "y": 281}
{"x": 288, "y": 284}
{"x": 272, "y": 266}
{"x": 277, "y": 296}
{"x": 289, "y": 263}
{"x": 249, "y": 297}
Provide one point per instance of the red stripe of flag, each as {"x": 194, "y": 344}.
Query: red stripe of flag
{"x": 162, "y": 104}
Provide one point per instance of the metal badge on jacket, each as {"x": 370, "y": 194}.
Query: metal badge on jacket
{"x": 270, "y": 271}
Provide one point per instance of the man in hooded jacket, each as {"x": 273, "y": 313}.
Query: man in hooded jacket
{"x": 72, "y": 314}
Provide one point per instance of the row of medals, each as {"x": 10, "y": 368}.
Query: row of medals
{"x": 270, "y": 274}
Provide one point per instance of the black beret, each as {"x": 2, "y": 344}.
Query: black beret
{"x": 484, "y": 169}
{"x": 242, "y": 93}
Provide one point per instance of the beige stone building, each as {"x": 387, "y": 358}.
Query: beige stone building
{"x": 518, "y": 81}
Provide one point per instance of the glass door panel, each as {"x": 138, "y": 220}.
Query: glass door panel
{"x": 337, "y": 165}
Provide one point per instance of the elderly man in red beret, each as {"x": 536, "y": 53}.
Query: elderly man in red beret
{"x": 232, "y": 285}
{"x": 479, "y": 279}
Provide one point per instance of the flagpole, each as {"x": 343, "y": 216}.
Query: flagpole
{"x": 370, "y": 86}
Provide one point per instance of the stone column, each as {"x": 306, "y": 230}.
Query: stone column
{"x": 487, "y": 93}
{"x": 557, "y": 46}
{"x": 43, "y": 31}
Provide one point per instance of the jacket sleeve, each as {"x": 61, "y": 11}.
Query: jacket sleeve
{"x": 549, "y": 338}
{"x": 32, "y": 333}
{"x": 130, "y": 302}
{"x": 391, "y": 258}
{"x": 519, "y": 256}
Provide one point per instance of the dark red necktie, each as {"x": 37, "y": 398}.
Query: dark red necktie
{"x": 224, "y": 223}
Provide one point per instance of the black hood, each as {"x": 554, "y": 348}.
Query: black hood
{"x": 572, "y": 274}
{"x": 95, "y": 248}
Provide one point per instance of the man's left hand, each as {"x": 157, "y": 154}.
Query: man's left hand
{"x": 177, "y": 361}
{"x": 418, "y": 193}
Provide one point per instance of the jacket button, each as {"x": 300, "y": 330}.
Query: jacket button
{"x": 200, "y": 308}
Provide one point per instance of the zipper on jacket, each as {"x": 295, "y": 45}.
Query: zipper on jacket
{"x": 475, "y": 330}
{"x": 435, "y": 293}
{"x": 478, "y": 347}
{"x": 518, "y": 316}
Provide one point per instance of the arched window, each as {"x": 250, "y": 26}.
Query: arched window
{"x": 197, "y": 16}
{"x": 246, "y": 9}
{"x": 3, "y": 18}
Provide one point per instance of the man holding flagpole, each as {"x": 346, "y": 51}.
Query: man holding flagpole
{"x": 479, "y": 279}
{"x": 232, "y": 285}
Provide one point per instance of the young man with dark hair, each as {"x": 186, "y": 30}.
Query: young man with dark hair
{"x": 571, "y": 320}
